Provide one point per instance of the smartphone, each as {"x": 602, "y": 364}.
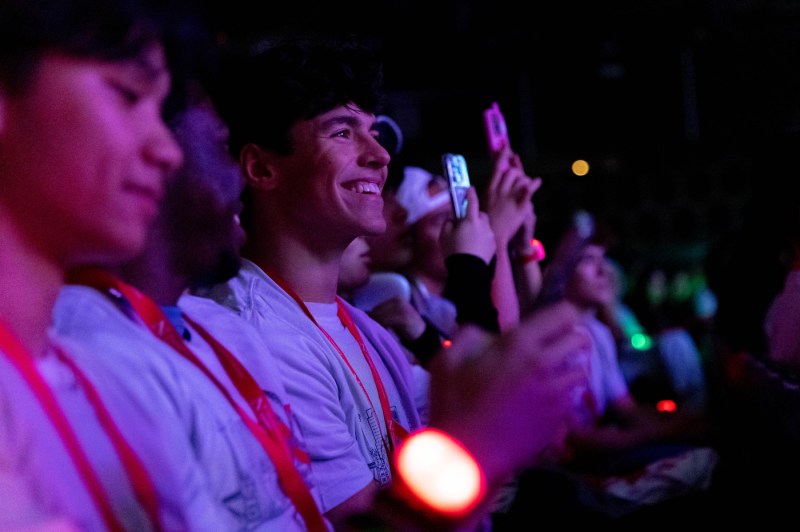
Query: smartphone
{"x": 455, "y": 170}
{"x": 494, "y": 124}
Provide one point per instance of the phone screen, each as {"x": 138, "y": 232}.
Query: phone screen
{"x": 455, "y": 169}
{"x": 495, "y": 127}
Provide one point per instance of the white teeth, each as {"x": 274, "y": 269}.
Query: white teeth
{"x": 365, "y": 188}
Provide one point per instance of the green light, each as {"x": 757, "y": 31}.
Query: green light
{"x": 641, "y": 341}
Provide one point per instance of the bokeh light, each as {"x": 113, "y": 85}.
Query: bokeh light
{"x": 580, "y": 167}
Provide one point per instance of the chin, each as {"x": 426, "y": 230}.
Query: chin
{"x": 227, "y": 268}
{"x": 112, "y": 250}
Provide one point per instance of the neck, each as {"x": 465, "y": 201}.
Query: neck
{"x": 29, "y": 284}
{"x": 311, "y": 271}
{"x": 152, "y": 273}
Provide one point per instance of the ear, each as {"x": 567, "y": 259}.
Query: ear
{"x": 257, "y": 168}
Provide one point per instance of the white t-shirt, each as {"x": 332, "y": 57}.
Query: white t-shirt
{"x": 338, "y": 422}
{"x": 606, "y": 377}
{"x": 38, "y": 477}
{"x": 236, "y": 470}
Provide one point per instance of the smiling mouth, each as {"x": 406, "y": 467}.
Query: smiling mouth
{"x": 364, "y": 187}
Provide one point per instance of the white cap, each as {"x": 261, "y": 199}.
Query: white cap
{"x": 413, "y": 193}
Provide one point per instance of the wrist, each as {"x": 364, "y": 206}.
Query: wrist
{"x": 437, "y": 475}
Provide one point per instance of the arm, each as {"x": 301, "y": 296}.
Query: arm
{"x": 527, "y": 262}
{"x": 468, "y": 246}
{"x": 631, "y": 425}
{"x": 508, "y": 203}
{"x": 469, "y": 283}
{"x": 509, "y": 394}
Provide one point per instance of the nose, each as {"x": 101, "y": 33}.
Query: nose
{"x": 378, "y": 155}
{"x": 163, "y": 150}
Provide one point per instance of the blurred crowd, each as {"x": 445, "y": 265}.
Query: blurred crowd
{"x": 231, "y": 301}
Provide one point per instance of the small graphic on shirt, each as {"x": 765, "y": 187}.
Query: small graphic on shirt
{"x": 378, "y": 462}
{"x": 243, "y": 504}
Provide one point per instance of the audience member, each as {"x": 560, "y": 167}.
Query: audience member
{"x": 214, "y": 380}
{"x": 615, "y": 438}
{"x": 469, "y": 249}
{"x": 84, "y": 155}
{"x": 314, "y": 173}
{"x": 426, "y": 198}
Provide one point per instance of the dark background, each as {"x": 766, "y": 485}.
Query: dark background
{"x": 684, "y": 109}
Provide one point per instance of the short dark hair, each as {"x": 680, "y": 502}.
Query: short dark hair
{"x": 295, "y": 78}
{"x": 108, "y": 30}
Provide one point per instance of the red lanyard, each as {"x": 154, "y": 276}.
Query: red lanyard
{"x": 139, "y": 478}
{"x": 271, "y": 433}
{"x": 395, "y": 431}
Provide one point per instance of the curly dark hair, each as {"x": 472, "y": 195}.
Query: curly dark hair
{"x": 295, "y": 78}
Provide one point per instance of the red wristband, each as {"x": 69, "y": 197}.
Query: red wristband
{"x": 536, "y": 253}
{"x": 436, "y": 472}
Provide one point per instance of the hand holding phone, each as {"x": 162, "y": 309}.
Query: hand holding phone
{"x": 494, "y": 124}
{"x": 455, "y": 170}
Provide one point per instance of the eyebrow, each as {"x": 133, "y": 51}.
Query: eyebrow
{"x": 341, "y": 120}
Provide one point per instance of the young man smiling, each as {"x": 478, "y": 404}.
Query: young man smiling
{"x": 314, "y": 168}
{"x": 307, "y": 142}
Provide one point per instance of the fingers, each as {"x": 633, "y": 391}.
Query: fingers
{"x": 536, "y": 184}
{"x": 473, "y": 206}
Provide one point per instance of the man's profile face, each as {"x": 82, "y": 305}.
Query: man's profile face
{"x": 331, "y": 183}
{"x": 203, "y": 204}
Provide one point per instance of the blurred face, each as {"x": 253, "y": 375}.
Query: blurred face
{"x": 392, "y": 250}
{"x": 84, "y": 155}
{"x": 354, "y": 267}
{"x": 330, "y": 186}
{"x": 591, "y": 283}
{"x": 427, "y": 230}
{"x": 202, "y": 204}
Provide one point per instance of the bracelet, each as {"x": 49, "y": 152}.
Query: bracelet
{"x": 536, "y": 253}
{"x": 435, "y": 472}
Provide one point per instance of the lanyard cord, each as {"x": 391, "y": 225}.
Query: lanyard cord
{"x": 395, "y": 431}
{"x": 142, "y": 483}
{"x": 16, "y": 353}
{"x": 272, "y": 439}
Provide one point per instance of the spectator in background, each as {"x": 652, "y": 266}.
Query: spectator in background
{"x": 614, "y": 438}
{"x": 405, "y": 201}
